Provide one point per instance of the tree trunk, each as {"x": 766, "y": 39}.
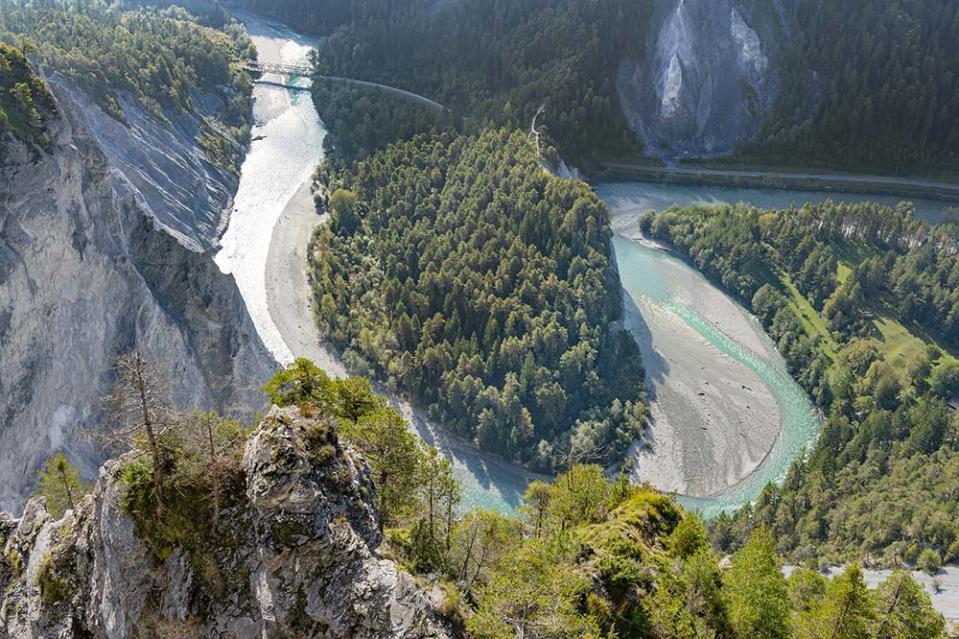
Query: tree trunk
{"x": 215, "y": 470}
{"x": 66, "y": 487}
{"x": 158, "y": 461}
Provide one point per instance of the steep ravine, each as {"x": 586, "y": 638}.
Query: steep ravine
{"x": 100, "y": 251}
{"x": 708, "y": 75}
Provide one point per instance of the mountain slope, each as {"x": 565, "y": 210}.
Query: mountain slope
{"x": 102, "y": 232}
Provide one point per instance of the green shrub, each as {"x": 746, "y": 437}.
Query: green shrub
{"x": 929, "y": 561}
{"x": 53, "y": 587}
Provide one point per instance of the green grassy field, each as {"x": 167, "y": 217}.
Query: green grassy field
{"x": 812, "y": 321}
{"x": 900, "y": 344}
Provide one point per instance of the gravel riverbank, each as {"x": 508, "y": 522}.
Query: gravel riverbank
{"x": 713, "y": 419}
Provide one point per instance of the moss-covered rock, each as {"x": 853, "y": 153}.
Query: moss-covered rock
{"x": 292, "y": 553}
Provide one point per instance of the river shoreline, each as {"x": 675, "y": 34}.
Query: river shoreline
{"x": 836, "y": 183}
{"x": 726, "y": 418}
{"x": 713, "y": 420}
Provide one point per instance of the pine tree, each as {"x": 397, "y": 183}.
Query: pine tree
{"x": 847, "y": 610}
{"x": 756, "y": 590}
{"x": 59, "y": 483}
{"x": 301, "y": 382}
{"x": 141, "y": 416}
{"x": 905, "y": 611}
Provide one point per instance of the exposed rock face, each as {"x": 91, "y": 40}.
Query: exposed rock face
{"x": 297, "y": 556}
{"x": 708, "y": 76}
{"x": 163, "y": 168}
{"x": 91, "y": 265}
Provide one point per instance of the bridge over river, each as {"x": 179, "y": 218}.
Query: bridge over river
{"x": 303, "y": 71}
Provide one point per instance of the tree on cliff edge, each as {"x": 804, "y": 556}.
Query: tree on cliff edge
{"x": 141, "y": 415}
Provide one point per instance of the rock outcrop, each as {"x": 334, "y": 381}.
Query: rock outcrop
{"x": 101, "y": 249}
{"x": 708, "y": 77}
{"x": 295, "y": 556}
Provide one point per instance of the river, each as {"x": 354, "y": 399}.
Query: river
{"x": 714, "y": 379}
{"x": 723, "y": 445}
{"x": 265, "y": 244}
{"x": 733, "y": 418}
{"x": 287, "y": 144}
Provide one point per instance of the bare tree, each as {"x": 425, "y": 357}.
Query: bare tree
{"x": 140, "y": 415}
{"x": 211, "y": 446}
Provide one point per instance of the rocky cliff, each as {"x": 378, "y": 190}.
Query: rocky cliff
{"x": 100, "y": 250}
{"x": 708, "y": 76}
{"x": 295, "y": 556}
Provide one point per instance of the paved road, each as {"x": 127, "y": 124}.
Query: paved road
{"x": 947, "y": 187}
{"x": 433, "y": 104}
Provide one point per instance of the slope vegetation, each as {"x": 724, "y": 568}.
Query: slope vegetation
{"x": 459, "y": 270}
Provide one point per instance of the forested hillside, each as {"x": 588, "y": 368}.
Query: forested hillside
{"x": 458, "y": 270}
{"x": 868, "y": 83}
{"x": 862, "y": 302}
{"x": 165, "y": 61}
{"x": 501, "y": 61}
{"x": 362, "y": 120}
{"x": 25, "y": 102}
{"x": 316, "y": 16}
{"x": 585, "y": 558}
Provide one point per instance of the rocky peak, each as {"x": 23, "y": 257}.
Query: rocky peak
{"x": 295, "y": 556}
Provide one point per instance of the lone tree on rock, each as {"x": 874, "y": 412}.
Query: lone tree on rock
{"x": 141, "y": 415}
{"x": 59, "y": 482}
{"x": 303, "y": 382}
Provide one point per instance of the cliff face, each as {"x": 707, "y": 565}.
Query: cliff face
{"x": 295, "y": 558}
{"x": 708, "y": 77}
{"x": 99, "y": 244}
{"x": 162, "y": 167}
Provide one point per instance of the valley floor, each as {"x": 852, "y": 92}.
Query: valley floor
{"x": 713, "y": 419}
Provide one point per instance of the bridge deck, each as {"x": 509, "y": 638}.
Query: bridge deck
{"x": 307, "y": 72}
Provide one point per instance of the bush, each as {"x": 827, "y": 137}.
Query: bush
{"x": 53, "y": 587}
{"x": 929, "y": 561}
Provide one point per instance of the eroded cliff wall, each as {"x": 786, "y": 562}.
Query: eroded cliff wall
{"x": 708, "y": 77}
{"x": 102, "y": 249}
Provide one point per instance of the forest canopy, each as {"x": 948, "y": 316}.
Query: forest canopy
{"x": 165, "y": 60}
{"x": 869, "y": 84}
{"x": 460, "y": 271}
{"x": 500, "y": 62}
{"x": 863, "y": 302}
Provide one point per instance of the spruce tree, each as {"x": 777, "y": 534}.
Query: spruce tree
{"x": 59, "y": 483}
{"x": 757, "y": 597}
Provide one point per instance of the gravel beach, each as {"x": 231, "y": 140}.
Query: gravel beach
{"x": 713, "y": 419}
